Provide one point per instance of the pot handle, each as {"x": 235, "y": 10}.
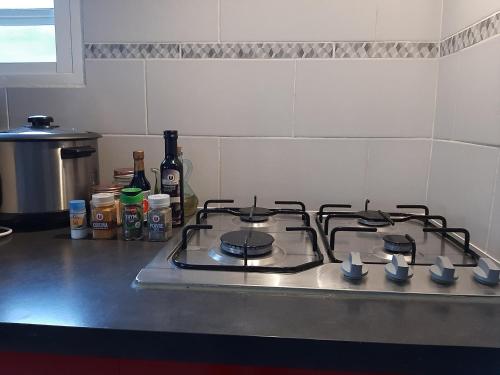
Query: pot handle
{"x": 77, "y": 152}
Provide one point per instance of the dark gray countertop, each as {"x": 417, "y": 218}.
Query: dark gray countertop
{"x": 48, "y": 279}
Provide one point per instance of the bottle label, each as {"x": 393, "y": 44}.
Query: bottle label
{"x": 77, "y": 220}
{"x": 132, "y": 221}
{"x": 170, "y": 184}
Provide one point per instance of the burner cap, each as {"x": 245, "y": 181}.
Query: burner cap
{"x": 396, "y": 243}
{"x": 260, "y": 214}
{"x": 372, "y": 219}
{"x": 259, "y": 243}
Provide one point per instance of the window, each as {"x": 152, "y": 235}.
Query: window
{"x": 40, "y": 43}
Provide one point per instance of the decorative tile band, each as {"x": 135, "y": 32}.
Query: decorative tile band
{"x": 288, "y": 50}
{"x": 472, "y": 35}
{"x": 384, "y": 50}
{"x": 132, "y": 51}
{"x": 257, "y": 50}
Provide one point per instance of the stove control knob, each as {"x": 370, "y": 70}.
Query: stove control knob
{"x": 353, "y": 268}
{"x": 398, "y": 269}
{"x": 486, "y": 272}
{"x": 443, "y": 272}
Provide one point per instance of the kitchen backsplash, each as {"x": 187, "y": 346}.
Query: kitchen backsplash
{"x": 322, "y": 101}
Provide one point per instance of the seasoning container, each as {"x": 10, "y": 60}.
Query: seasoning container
{"x": 114, "y": 189}
{"x": 103, "y": 216}
{"x": 123, "y": 176}
{"x": 131, "y": 200}
{"x": 78, "y": 219}
{"x": 159, "y": 217}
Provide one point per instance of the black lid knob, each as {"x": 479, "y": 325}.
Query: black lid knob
{"x": 40, "y": 121}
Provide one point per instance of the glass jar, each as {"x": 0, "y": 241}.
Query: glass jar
{"x": 131, "y": 200}
{"x": 123, "y": 176}
{"x": 103, "y": 216}
{"x": 114, "y": 189}
{"x": 159, "y": 217}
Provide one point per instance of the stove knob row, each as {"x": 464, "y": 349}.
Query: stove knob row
{"x": 443, "y": 271}
{"x": 353, "y": 268}
{"x": 486, "y": 272}
{"x": 398, "y": 269}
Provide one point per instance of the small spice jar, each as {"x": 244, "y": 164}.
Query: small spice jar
{"x": 131, "y": 200}
{"x": 103, "y": 216}
{"x": 78, "y": 219}
{"x": 159, "y": 217}
{"x": 115, "y": 190}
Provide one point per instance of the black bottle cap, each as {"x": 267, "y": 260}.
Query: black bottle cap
{"x": 171, "y": 134}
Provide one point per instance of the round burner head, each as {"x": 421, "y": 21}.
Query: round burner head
{"x": 397, "y": 243}
{"x": 372, "y": 219}
{"x": 260, "y": 214}
{"x": 258, "y": 243}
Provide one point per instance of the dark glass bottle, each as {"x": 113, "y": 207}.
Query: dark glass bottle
{"x": 172, "y": 177}
{"x": 140, "y": 181}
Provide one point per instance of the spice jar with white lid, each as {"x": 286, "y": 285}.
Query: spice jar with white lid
{"x": 103, "y": 216}
{"x": 159, "y": 217}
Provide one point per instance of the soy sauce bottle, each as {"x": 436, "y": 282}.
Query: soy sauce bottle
{"x": 140, "y": 181}
{"x": 172, "y": 177}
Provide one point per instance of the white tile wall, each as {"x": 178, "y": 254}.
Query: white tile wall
{"x": 458, "y": 14}
{"x": 3, "y": 110}
{"x": 397, "y": 172}
{"x": 365, "y": 98}
{"x": 116, "y": 152}
{"x": 477, "y": 116}
{"x": 494, "y": 236}
{"x": 468, "y": 100}
{"x": 221, "y": 97}
{"x": 408, "y": 20}
{"x": 297, "y": 20}
{"x": 446, "y": 98}
{"x": 113, "y": 100}
{"x": 312, "y": 170}
{"x": 461, "y": 185}
{"x": 150, "y": 20}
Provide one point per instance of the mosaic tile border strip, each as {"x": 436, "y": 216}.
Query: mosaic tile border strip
{"x": 132, "y": 50}
{"x": 285, "y": 50}
{"x": 257, "y": 50}
{"x": 384, "y": 50}
{"x": 474, "y": 34}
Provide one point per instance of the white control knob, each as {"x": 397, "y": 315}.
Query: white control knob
{"x": 443, "y": 271}
{"x": 486, "y": 272}
{"x": 398, "y": 269}
{"x": 353, "y": 268}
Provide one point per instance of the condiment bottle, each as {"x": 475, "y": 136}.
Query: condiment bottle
{"x": 132, "y": 215}
{"x": 172, "y": 180}
{"x": 159, "y": 217}
{"x": 139, "y": 180}
{"x": 78, "y": 219}
{"x": 103, "y": 216}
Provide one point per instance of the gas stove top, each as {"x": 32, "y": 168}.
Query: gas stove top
{"x": 405, "y": 251}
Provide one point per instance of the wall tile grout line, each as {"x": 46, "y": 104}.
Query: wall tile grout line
{"x": 293, "y": 96}
{"x": 219, "y": 167}
{"x": 218, "y": 21}
{"x": 146, "y": 95}
{"x": 495, "y": 187}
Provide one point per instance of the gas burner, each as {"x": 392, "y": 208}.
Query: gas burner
{"x": 372, "y": 218}
{"x": 257, "y": 243}
{"x": 254, "y": 214}
{"x": 397, "y": 243}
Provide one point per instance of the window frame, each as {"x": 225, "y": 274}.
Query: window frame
{"x": 68, "y": 70}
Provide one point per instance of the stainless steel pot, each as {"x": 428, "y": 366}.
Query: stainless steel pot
{"x": 43, "y": 167}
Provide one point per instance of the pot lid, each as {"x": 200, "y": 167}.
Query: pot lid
{"x": 41, "y": 129}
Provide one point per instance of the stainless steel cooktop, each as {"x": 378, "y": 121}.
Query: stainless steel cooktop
{"x": 304, "y": 257}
